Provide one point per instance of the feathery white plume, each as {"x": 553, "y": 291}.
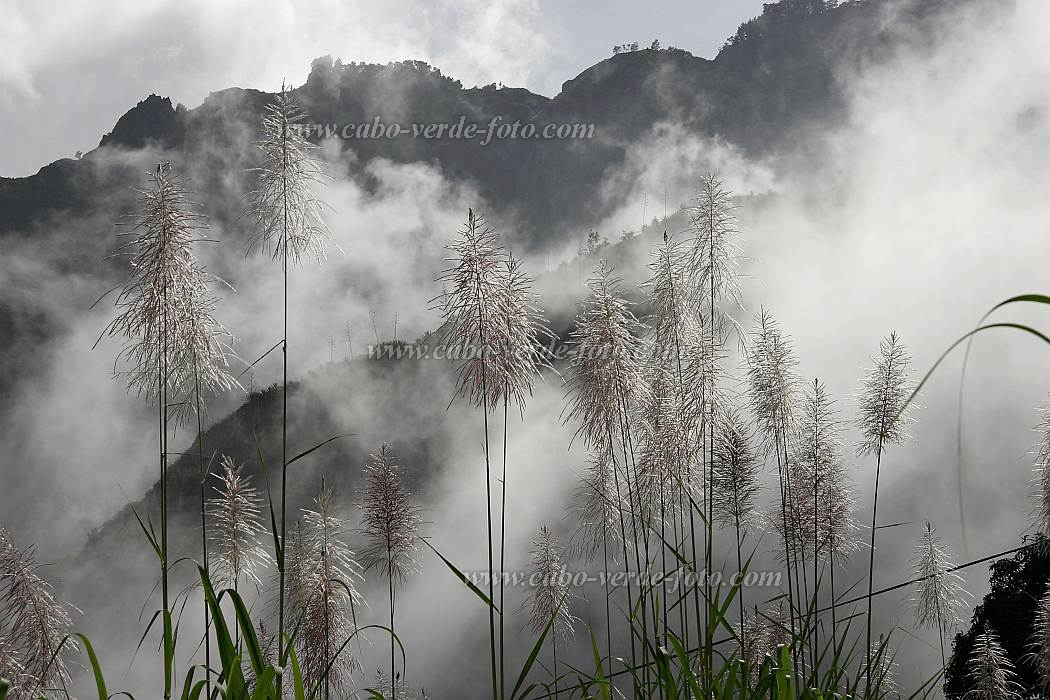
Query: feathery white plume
{"x": 284, "y": 208}
{"x": 1039, "y": 656}
{"x": 474, "y": 311}
{"x": 549, "y": 595}
{"x": 10, "y": 663}
{"x": 676, "y": 325}
{"x": 753, "y": 647}
{"x": 322, "y": 586}
{"x": 236, "y": 526}
{"x": 820, "y": 485}
{"x": 605, "y": 376}
{"x": 267, "y": 643}
{"x": 762, "y": 633}
{"x": 398, "y": 690}
{"x": 883, "y": 682}
{"x": 390, "y": 520}
{"x": 34, "y": 622}
{"x": 736, "y": 470}
{"x": 678, "y": 373}
{"x": 1041, "y": 480}
{"x": 715, "y": 249}
{"x": 667, "y": 438}
{"x": 883, "y": 418}
{"x": 940, "y": 596}
{"x": 519, "y": 353}
{"x": 773, "y": 383}
{"x": 991, "y": 674}
{"x": 165, "y": 307}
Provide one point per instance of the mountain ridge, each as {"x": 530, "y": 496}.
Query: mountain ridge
{"x": 774, "y": 80}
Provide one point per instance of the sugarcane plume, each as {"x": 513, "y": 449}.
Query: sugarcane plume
{"x": 166, "y": 307}
{"x": 737, "y": 469}
{"x": 990, "y": 672}
{"x": 883, "y": 417}
{"x": 34, "y": 624}
{"x": 679, "y": 370}
{"x": 715, "y": 251}
{"x": 1039, "y": 644}
{"x": 236, "y": 526}
{"x": 518, "y": 347}
{"x": 1041, "y": 475}
{"x": 288, "y": 216}
{"x": 772, "y": 379}
{"x": 550, "y": 596}
{"x": 668, "y": 440}
{"x": 399, "y": 688}
{"x": 10, "y": 664}
{"x": 884, "y": 670}
{"x": 939, "y": 602}
{"x": 605, "y": 369}
{"x": 390, "y": 520}
{"x": 474, "y": 310}
{"x": 323, "y": 591}
{"x": 762, "y": 633}
{"x": 819, "y": 483}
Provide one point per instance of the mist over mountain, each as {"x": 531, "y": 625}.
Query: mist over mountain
{"x": 775, "y": 83}
{"x": 871, "y": 145}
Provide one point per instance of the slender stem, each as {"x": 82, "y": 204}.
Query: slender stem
{"x": 816, "y": 550}
{"x": 390, "y": 580}
{"x": 678, "y": 532}
{"x": 871, "y": 559}
{"x": 327, "y": 622}
{"x": 739, "y": 557}
{"x": 681, "y": 466}
{"x": 164, "y": 498}
{"x": 204, "y": 525}
{"x": 623, "y": 539}
{"x": 488, "y": 515}
{"x": 636, "y": 513}
{"x": 831, "y": 557}
{"x": 284, "y": 399}
{"x": 608, "y": 607}
{"x": 502, "y": 556}
{"x": 554, "y": 647}
{"x": 488, "y": 485}
{"x": 940, "y": 636}
{"x": 663, "y": 556}
{"x": 710, "y": 494}
{"x": 785, "y": 487}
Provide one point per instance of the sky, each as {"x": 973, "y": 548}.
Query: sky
{"x": 68, "y": 71}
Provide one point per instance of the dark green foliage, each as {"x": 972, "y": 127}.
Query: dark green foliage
{"x": 1016, "y": 584}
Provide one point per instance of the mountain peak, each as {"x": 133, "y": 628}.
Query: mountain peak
{"x": 154, "y": 119}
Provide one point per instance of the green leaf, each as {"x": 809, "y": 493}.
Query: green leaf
{"x": 603, "y": 685}
{"x": 264, "y": 684}
{"x": 297, "y": 674}
{"x": 461, "y": 576}
{"x": 530, "y": 662}
{"x": 315, "y": 448}
{"x": 96, "y": 668}
{"x": 248, "y": 636}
